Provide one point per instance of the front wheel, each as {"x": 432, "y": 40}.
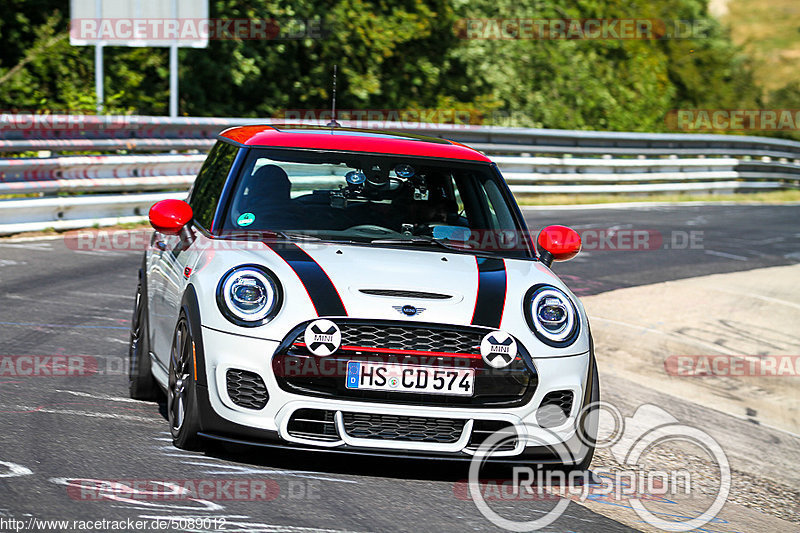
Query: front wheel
{"x": 141, "y": 383}
{"x": 184, "y": 420}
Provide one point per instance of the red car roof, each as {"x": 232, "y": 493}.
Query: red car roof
{"x": 352, "y": 140}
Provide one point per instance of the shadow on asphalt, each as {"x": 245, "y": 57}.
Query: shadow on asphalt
{"x": 435, "y": 469}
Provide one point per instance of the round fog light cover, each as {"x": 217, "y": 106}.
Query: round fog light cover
{"x": 498, "y": 349}
{"x": 323, "y": 337}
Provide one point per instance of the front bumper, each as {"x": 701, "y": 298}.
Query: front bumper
{"x": 276, "y": 423}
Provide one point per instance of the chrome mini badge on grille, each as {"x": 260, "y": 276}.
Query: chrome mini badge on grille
{"x": 323, "y": 337}
{"x": 408, "y": 310}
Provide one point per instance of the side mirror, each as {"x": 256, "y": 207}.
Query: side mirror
{"x": 557, "y": 243}
{"x": 170, "y": 216}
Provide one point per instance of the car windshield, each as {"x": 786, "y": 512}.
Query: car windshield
{"x": 383, "y": 200}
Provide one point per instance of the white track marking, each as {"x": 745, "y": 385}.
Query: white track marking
{"x": 726, "y": 255}
{"x": 227, "y": 470}
{"x": 39, "y": 409}
{"x": 675, "y": 336}
{"x": 103, "y": 397}
{"x": 14, "y": 470}
{"x": 83, "y": 294}
{"x": 760, "y": 297}
{"x": 36, "y": 238}
{"x": 42, "y": 247}
{"x": 257, "y": 527}
{"x": 113, "y": 495}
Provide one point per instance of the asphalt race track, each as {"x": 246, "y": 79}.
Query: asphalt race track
{"x": 53, "y": 429}
{"x": 726, "y": 239}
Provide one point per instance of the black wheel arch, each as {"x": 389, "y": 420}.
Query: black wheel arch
{"x": 191, "y": 309}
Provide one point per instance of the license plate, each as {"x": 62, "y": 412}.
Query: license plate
{"x": 409, "y": 378}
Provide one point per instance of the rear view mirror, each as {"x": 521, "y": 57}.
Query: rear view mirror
{"x": 170, "y": 216}
{"x": 557, "y": 243}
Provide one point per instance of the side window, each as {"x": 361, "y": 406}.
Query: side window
{"x": 210, "y": 181}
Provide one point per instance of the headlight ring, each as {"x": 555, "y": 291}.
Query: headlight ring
{"x": 551, "y": 315}
{"x": 249, "y": 295}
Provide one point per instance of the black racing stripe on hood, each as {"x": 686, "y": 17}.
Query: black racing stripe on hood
{"x": 320, "y": 288}
{"x": 491, "y": 292}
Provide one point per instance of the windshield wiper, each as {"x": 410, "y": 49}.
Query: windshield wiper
{"x": 420, "y": 240}
{"x": 298, "y": 236}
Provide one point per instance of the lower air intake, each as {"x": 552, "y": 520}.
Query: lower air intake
{"x": 408, "y": 428}
{"x": 314, "y": 424}
{"x": 246, "y": 389}
{"x": 554, "y": 409}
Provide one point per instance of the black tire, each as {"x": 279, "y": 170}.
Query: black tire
{"x": 182, "y": 406}
{"x": 141, "y": 383}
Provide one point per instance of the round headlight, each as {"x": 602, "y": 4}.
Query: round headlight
{"x": 552, "y": 315}
{"x": 248, "y": 295}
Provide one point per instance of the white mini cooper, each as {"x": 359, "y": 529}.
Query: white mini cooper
{"x": 361, "y": 292}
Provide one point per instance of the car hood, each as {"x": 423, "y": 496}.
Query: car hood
{"x": 389, "y": 283}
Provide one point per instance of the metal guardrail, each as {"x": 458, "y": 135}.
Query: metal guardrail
{"x": 98, "y": 173}
{"x": 588, "y": 162}
{"x": 61, "y": 213}
{"x": 158, "y": 134}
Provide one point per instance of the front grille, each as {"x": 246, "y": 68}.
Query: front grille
{"x": 407, "y": 338}
{"x": 316, "y": 424}
{"x": 298, "y": 371}
{"x": 554, "y": 409}
{"x": 409, "y": 428}
{"x": 483, "y": 429}
{"x": 246, "y": 389}
{"x": 406, "y": 294}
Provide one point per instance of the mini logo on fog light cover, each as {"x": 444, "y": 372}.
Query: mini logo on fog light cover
{"x": 498, "y": 349}
{"x": 323, "y": 337}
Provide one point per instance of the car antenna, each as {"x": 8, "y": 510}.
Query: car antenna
{"x": 333, "y": 124}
